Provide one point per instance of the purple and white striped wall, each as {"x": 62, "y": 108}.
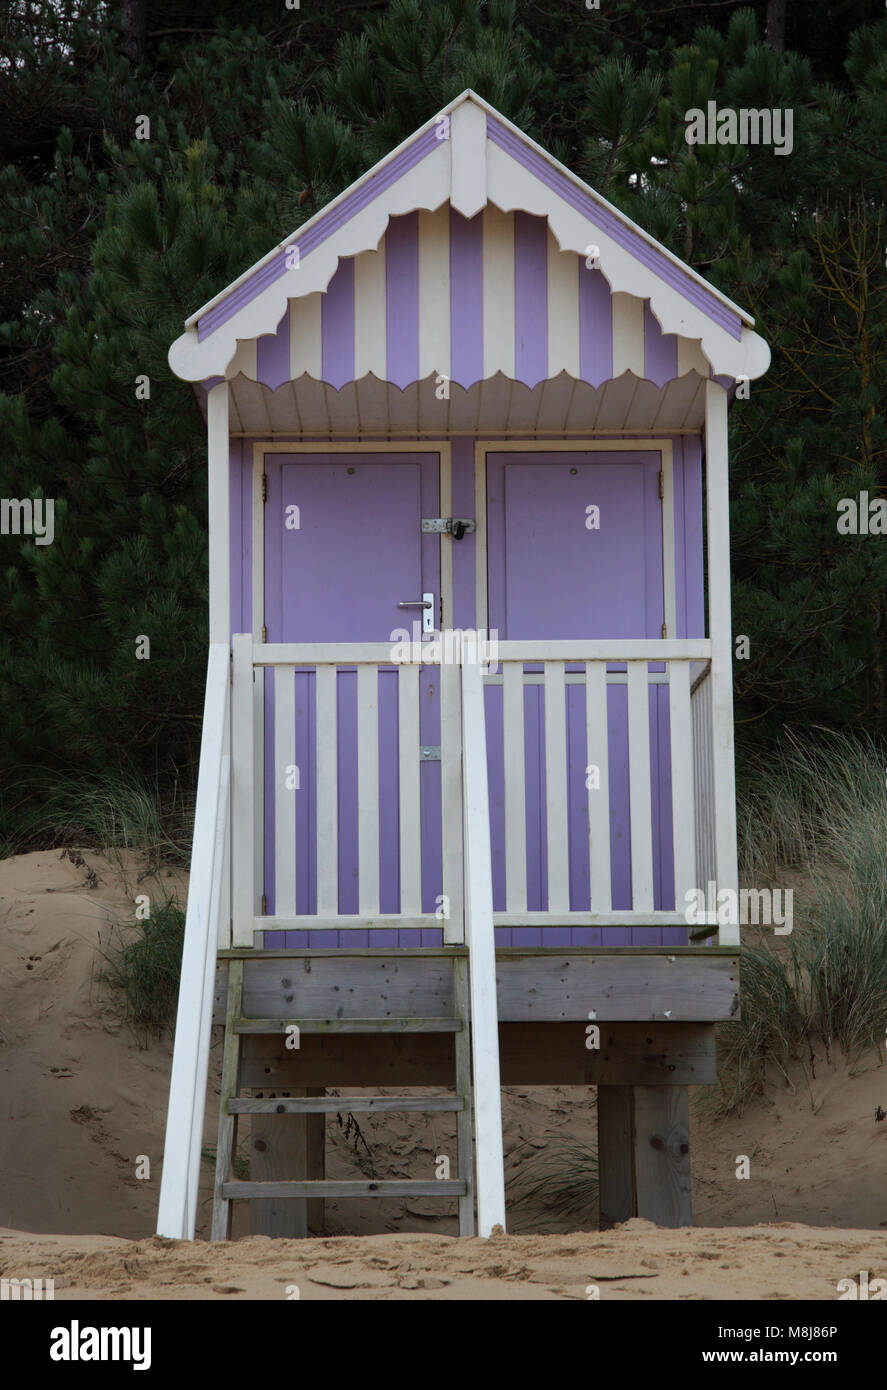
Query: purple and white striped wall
{"x": 466, "y": 299}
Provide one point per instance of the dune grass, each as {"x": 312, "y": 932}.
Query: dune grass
{"x": 120, "y": 811}
{"x": 813, "y": 814}
{"x": 559, "y": 1182}
{"x": 141, "y": 966}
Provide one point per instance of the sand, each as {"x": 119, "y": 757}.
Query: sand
{"x": 83, "y": 1107}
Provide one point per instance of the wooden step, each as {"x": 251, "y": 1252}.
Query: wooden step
{"x": 449, "y": 1187}
{"x": 349, "y": 1025}
{"x": 331, "y": 1105}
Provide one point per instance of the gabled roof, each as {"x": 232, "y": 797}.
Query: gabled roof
{"x": 470, "y": 156}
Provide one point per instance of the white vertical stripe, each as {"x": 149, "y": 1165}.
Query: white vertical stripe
{"x": 563, "y": 310}
{"x": 628, "y": 334}
{"x": 434, "y": 292}
{"x": 368, "y": 789}
{"x": 244, "y": 360}
{"x": 452, "y": 846}
{"x": 284, "y": 796}
{"x": 327, "y": 793}
{"x": 244, "y": 885}
{"x": 717, "y": 496}
{"x": 370, "y": 342}
{"x": 515, "y": 786}
{"x": 556, "y": 788}
{"x": 498, "y": 291}
{"x": 639, "y": 787}
{"x": 468, "y": 159}
{"x": 306, "y": 353}
{"x": 681, "y": 779}
{"x": 598, "y": 755}
{"x": 408, "y": 780}
{"x": 691, "y": 357}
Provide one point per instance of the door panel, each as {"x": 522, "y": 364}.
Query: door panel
{"x": 552, "y": 575}
{"x": 335, "y": 570}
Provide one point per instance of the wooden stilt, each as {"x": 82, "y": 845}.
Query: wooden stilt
{"x": 644, "y": 1154}
{"x": 282, "y": 1147}
{"x": 662, "y": 1154}
{"x": 615, "y": 1166}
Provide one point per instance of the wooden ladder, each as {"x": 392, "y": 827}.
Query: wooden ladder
{"x": 232, "y": 1105}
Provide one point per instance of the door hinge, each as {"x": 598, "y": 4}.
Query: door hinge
{"x": 664, "y": 630}
{"x": 264, "y": 633}
{"x": 264, "y": 904}
{"x": 265, "y": 487}
{"x": 661, "y": 484}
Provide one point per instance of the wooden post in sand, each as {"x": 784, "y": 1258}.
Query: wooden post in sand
{"x": 644, "y": 1154}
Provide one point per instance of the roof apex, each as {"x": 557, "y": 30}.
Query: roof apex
{"x": 469, "y": 154}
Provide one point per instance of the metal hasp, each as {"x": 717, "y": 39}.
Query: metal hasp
{"x": 455, "y": 526}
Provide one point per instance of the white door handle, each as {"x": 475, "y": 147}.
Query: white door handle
{"x": 426, "y": 603}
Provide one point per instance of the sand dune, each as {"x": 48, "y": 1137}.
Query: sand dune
{"x": 83, "y": 1106}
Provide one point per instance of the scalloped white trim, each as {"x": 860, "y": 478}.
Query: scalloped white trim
{"x": 510, "y": 187}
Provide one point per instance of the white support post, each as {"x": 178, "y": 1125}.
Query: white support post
{"x": 187, "y": 1088}
{"x": 219, "y": 513}
{"x": 243, "y": 793}
{"x": 481, "y": 953}
{"x": 717, "y": 494}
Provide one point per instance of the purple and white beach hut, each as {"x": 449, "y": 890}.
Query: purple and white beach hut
{"x": 468, "y": 746}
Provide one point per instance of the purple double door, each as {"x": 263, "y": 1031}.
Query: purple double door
{"x": 574, "y": 548}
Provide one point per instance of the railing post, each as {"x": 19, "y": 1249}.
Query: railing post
{"x": 243, "y": 791}
{"x": 717, "y": 495}
{"x": 481, "y": 952}
{"x": 187, "y": 1088}
{"x": 451, "y": 796}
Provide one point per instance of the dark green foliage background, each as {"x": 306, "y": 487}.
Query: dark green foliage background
{"x": 259, "y": 115}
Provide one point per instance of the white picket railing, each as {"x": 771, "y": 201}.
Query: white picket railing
{"x": 672, "y": 662}
{"x": 671, "y": 665}
{"x": 325, "y": 662}
{"x": 206, "y": 928}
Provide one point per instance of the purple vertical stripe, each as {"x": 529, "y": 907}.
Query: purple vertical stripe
{"x": 595, "y": 327}
{"x": 463, "y": 551}
{"x": 466, "y": 299}
{"x": 660, "y": 350}
{"x": 240, "y": 494}
{"x": 337, "y": 326}
{"x": 694, "y": 584}
{"x": 402, "y": 299}
{"x": 530, "y": 298}
{"x": 273, "y": 354}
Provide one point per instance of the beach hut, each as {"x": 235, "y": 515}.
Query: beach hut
{"x": 468, "y": 744}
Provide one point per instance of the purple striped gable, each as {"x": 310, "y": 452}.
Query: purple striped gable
{"x": 402, "y": 299}
{"x": 608, "y": 222}
{"x": 322, "y": 229}
{"x": 466, "y": 299}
